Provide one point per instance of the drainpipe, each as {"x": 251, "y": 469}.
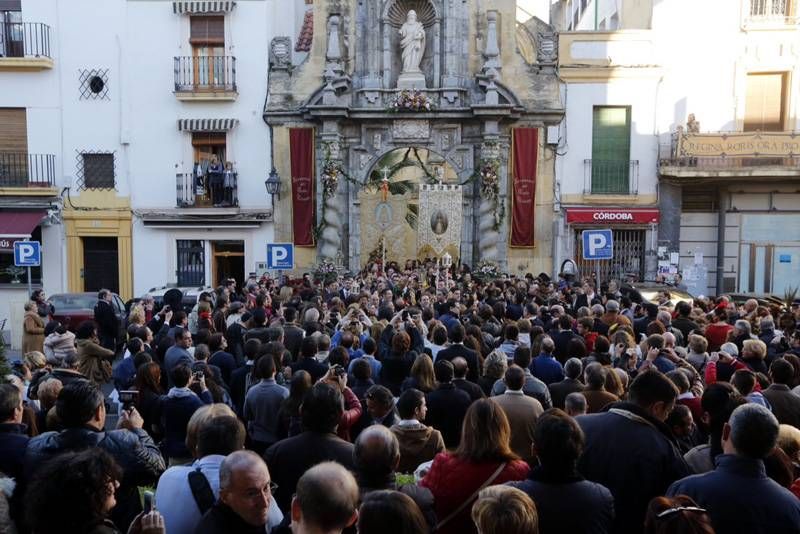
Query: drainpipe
{"x": 722, "y": 193}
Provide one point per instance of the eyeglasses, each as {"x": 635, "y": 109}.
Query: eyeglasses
{"x": 269, "y": 490}
{"x": 676, "y": 509}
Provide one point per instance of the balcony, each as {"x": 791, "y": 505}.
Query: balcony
{"x": 611, "y": 177}
{"x": 197, "y": 192}
{"x": 27, "y": 174}
{"x": 770, "y": 14}
{"x": 709, "y": 157}
{"x": 204, "y": 78}
{"x": 25, "y": 46}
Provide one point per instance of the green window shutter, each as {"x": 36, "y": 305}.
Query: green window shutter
{"x": 611, "y": 149}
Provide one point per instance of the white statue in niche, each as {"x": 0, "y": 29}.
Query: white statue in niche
{"x": 412, "y": 42}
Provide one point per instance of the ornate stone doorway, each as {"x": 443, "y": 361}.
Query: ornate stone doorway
{"x": 409, "y": 207}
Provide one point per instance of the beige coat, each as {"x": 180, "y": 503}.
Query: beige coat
{"x": 94, "y": 361}
{"x": 33, "y": 333}
{"x": 522, "y": 412}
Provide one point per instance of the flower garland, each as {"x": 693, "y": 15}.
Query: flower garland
{"x": 489, "y": 182}
{"x": 332, "y": 173}
{"x": 411, "y": 101}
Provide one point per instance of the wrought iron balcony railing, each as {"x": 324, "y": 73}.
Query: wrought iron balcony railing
{"x": 24, "y": 39}
{"x": 207, "y": 191}
{"x": 20, "y": 169}
{"x": 198, "y": 74}
{"x": 611, "y": 177}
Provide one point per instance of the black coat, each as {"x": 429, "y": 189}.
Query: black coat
{"x": 458, "y": 350}
{"x": 290, "y": 458}
{"x": 107, "y": 321}
{"x": 560, "y": 390}
{"x": 634, "y": 456}
{"x": 568, "y": 503}
{"x": 473, "y": 390}
{"x": 221, "y": 519}
{"x": 447, "y": 407}
{"x": 561, "y": 340}
{"x": 13, "y": 441}
{"x": 394, "y": 371}
{"x": 292, "y": 337}
{"x": 134, "y": 451}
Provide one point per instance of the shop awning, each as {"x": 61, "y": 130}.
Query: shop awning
{"x": 19, "y": 223}
{"x": 190, "y": 6}
{"x": 612, "y": 216}
{"x": 206, "y": 125}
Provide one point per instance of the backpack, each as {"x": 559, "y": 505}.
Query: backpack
{"x": 201, "y": 491}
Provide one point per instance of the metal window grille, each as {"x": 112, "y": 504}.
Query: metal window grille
{"x": 629, "y": 256}
{"x": 93, "y": 84}
{"x": 191, "y": 263}
{"x": 95, "y": 170}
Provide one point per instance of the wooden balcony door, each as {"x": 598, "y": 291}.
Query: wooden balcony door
{"x": 208, "y": 51}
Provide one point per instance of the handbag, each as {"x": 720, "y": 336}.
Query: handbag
{"x": 472, "y": 497}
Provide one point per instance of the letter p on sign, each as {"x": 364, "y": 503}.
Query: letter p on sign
{"x": 27, "y": 254}
{"x": 280, "y": 256}
{"x": 598, "y": 245}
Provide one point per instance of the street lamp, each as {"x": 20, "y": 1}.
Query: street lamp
{"x": 273, "y": 184}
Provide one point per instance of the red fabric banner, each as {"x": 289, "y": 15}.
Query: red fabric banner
{"x": 525, "y": 152}
{"x": 301, "y": 145}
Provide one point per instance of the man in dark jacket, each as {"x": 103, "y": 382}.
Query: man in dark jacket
{"x": 785, "y": 404}
{"x": 292, "y": 334}
{"x": 631, "y": 451}
{"x": 82, "y": 411}
{"x": 571, "y": 384}
{"x": 460, "y": 368}
{"x": 13, "y": 438}
{"x": 562, "y": 338}
{"x": 290, "y": 458}
{"x": 682, "y": 322}
{"x": 457, "y": 349}
{"x": 765, "y": 507}
{"x": 447, "y": 405}
{"x": 106, "y": 319}
{"x": 307, "y": 361}
{"x": 242, "y": 474}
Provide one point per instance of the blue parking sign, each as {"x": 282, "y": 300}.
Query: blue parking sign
{"x": 27, "y": 254}
{"x": 280, "y": 256}
{"x": 598, "y": 245}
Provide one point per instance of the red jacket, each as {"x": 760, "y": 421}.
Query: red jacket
{"x": 351, "y": 415}
{"x": 452, "y": 481}
{"x": 717, "y": 334}
{"x": 711, "y": 370}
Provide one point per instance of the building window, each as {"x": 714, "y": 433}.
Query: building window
{"x": 9, "y": 274}
{"x": 191, "y": 271}
{"x": 94, "y": 84}
{"x": 95, "y": 170}
{"x": 611, "y": 149}
{"x": 765, "y": 102}
{"x": 207, "y": 37}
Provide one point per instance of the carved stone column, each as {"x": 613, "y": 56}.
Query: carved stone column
{"x": 332, "y": 216}
{"x": 488, "y": 232}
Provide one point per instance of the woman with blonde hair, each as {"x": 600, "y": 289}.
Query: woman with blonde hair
{"x": 483, "y": 458}
{"x": 137, "y": 315}
{"x": 422, "y": 375}
{"x": 505, "y": 510}
{"x": 494, "y": 368}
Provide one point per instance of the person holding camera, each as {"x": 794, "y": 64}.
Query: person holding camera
{"x": 176, "y": 408}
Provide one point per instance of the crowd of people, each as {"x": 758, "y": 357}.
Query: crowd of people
{"x": 406, "y": 400}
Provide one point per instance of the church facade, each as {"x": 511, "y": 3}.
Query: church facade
{"x": 415, "y": 129}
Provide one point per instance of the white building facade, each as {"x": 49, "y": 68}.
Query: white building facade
{"x": 111, "y": 113}
{"x": 680, "y": 120}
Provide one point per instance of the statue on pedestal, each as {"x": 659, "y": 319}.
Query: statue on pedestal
{"x": 412, "y": 43}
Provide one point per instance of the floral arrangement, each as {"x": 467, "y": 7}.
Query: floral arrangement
{"x": 325, "y": 271}
{"x": 487, "y": 270}
{"x": 331, "y": 172}
{"x": 489, "y": 181}
{"x": 414, "y": 100}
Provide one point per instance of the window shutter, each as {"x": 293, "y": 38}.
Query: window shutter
{"x": 13, "y": 130}
{"x": 611, "y": 149}
{"x": 207, "y": 30}
{"x": 764, "y": 102}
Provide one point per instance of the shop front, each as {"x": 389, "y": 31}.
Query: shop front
{"x": 634, "y": 234}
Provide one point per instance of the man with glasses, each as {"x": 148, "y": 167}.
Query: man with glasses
{"x": 245, "y": 497}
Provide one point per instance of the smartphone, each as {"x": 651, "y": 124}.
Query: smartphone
{"x": 198, "y": 375}
{"x": 339, "y": 371}
{"x": 128, "y": 398}
{"x": 149, "y": 501}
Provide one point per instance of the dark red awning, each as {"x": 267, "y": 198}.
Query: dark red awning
{"x": 19, "y": 223}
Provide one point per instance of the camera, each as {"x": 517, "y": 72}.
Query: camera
{"x": 198, "y": 375}
{"x": 128, "y": 398}
{"x": 339, "y": 371}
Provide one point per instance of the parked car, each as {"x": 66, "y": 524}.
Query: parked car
{"x": 763, "y": 299}
{"x": 649, "y": 292}
{"x": 71, "y": 309}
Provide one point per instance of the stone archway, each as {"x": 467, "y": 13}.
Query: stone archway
{"x": 396, "y": 215}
